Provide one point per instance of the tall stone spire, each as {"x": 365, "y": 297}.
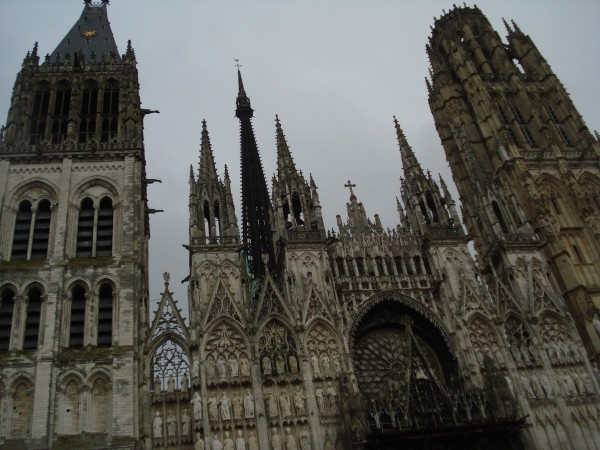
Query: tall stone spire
{"x": 410, "y": 165}
{"x": 256, "y": 205}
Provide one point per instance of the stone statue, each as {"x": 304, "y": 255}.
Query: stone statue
{"x": 185, "y": 384}
{"x": 527, "y": 387}
{"x": 240, "y": 442}
{"x": 299, "y": 402}
{"x": 211, "y": 371}
{"x": 271, "y": 402}
{"x": 315, "y": 365}
{"x": 304, "y": 440}
{"x": 197, "y": 406}
{"x": 157, "y": 386}
{"x": 196, "y": 369}
{"x": 244, "y": 367}
{"x": 596, "y": 371}
{"x": 171, "y": 425}
{"x": 236, "y": 403}
{"x": 276, "y": 442}
{"x": 234, "y": 368}
{"x": 213, "y": 409}
{"x": 284, "y": 404}
{"x": 266, "y": 365}
{"x": 248, "y": 405}
{"x": 185, "y": 426}
{"x": 510, "y": 386}
{"x": 222, "y": 367}
{"x": 157, "y": 425}
{"x": 227, "y": 442}
{"x": 331, "y": 397}
{"x": 325, "y": 363}
{"x": 171, "y": 385}
{"x": 199, "y": 442}
{"x": 216, "y": 444}
{"x": 225, "y": 407}
{"x": 280, "y": 365}
{"x": 547, "y": 386}
{"x": 290, "y": 440}
{"x": 252, "y": 442}
{"x": 320, "y": 399}
{"x": 293, "y": 362}
{"x": 337, "y": 364}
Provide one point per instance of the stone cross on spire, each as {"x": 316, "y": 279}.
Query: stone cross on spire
{"x": 349, "y": 185}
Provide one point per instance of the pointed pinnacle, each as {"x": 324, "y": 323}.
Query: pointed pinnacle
{"x": 507, "y": 26}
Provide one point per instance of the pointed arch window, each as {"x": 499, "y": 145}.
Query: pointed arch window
{"x": 62, "y": 106}
{"x": 499, "y": 216}
{"x": 77, "y": 318}
{"x": 7, "y": 307}
{"x": 39, "y": 115}
{"x": 105, "y": 315}
{"x": 20, "y": 423}
{"x": 33, "y": 319}
{"x": 89, "y": 108}
{"x": 297, "y": 209}
{"x": 110, "y": 111}
{"x": 432, "y": 206}
{"x": 28, "y": 245}
{"x": 70, "y": 413}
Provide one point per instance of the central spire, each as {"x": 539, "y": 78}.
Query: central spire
{"x": 256, "y": 206}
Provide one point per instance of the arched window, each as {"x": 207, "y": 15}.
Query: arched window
{"x": 32, "y": 322}
{"x": 39, "y": 115}
{"x": 89, "y": 108}
{"x": 20, "y": 245}
{"x": 85, "y": 229}
{"x": 77, "y": 319}
{"x": 110, "y": 111}
{"x": 432, "y": 206}
{"x": 104, "y": 228}
{"x": 41, "y": 231}
{"x": 95, "y": 232}
{"x": 27, "y": 245}
{"x": 297, "y": 209}
{"x": 7, "y": 307}
{"x": 62, "y": 105}
{"x": 105, "y": 315}
{"x": 20, "y": 424}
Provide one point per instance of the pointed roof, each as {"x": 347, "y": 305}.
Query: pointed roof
{"x": 284, "y": 155}
{"x": 91, "y": 34}
{"x": 208, "y": 170}
{"x": 410, "y": 164}
{"x": 242, "y": 101}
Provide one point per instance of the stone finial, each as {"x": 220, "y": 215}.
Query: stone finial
{"x": 166, "y": 277}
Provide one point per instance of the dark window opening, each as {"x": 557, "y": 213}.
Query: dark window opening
{"x": 110, "y": 112}
{"x": 517, "y": 114}
{"x": 85, "y": 229}
{"x": 340, "y": 266}
{"x": 360, "y": 264}
{"x": 41, "y": 231}
{"x": 21, "y": 234}
{"x": 60, "y": 121}
{"x": 551, "y": 114}
{"x": 105, "y": 316}
{"x": 77, "y": 320}
{"x": 6, "y": 316}
{"x": 32, "y": 322}
{"x": 206, "y": 208}
{"x": 350, "y": 265}
{"x": 104, "y": 228}
{"x": 89, "y": 108}
{"x": 398, "y": 261}
{"x": 409, "y": 268}
{"x": 424, "y": 211}
{"x": 297, "y": 209}
{"x": 432, "y": 207}
{"x": 563, "y": 134}
{"x": 39, "y": 115}
{"x": 217, "y": 211}
{"x": 528, "y": 136}
{"x": 499, "y": 216}
{"x": 417, "y": 261}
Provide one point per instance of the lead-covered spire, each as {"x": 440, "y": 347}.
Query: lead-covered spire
{"x": 256, "y": 206}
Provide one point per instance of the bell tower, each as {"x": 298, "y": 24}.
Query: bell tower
{"x": 73, "y": 244}
{"x": 524, "y": 161}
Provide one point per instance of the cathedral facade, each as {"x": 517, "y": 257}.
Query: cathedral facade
{"x": 299, "y": 337}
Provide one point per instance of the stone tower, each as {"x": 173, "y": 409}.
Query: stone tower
{"x": 525, "y": 164}
{"x": 73, "y": 245}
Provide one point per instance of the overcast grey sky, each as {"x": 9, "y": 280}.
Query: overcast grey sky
{"x": 335, "y": 71}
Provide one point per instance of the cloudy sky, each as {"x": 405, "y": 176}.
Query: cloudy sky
{"x": 335, "y": 71}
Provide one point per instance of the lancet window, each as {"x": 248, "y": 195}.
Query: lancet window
{"x": 39, "y": 114}
{"x": 28, "y": 245}
{"x": 77, "y": 318}
{"x": 110, "y": 111}
{"x": 33, "y": 319}
{"x": 7, "y": 306}
{"x": 62, "y": 106}
{"x": 105, "y": 315}
{"x": 88, "y": 112}
{"x": 95, "y": 228}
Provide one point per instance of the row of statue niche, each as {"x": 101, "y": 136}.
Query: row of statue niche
{"x": 562, "y": 353}
{"x": 224, "y": 368}
{"x": 325, "y": 366}
{"x": 240, "y": 443}
{"x": 280, "y": 365}
{"x": 171, "y": 426}
{"x": 326, "y": 397}
{"x": 573, "y": 385}
{"x": 290, "y": 441}
{"x": 280, "y": 406}
{"x": 171, "y": 388}
{"x": 225, "y": 408}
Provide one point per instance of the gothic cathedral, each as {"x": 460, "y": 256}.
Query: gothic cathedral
{"x": 299, "y": 337}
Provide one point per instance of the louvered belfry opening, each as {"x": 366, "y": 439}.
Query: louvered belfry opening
{"x": 77, "y": 320}
{"x": 21, "y": 233}
{"x": 32, "y": 322}
{"x": 7, "y": 305}
{"x": 89, "y": 106}
{"x": 39, "y": 115}
{"x": 104, "y": 228}
{"x": 62, "y": 106}
{"x": 41, "y": 231}
{"x": 85, "y": 229}
{"x": 105, "y": 315}
{"x": 110, "y": 111}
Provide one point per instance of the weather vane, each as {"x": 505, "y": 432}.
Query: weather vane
{"x": 237, "y": 64}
